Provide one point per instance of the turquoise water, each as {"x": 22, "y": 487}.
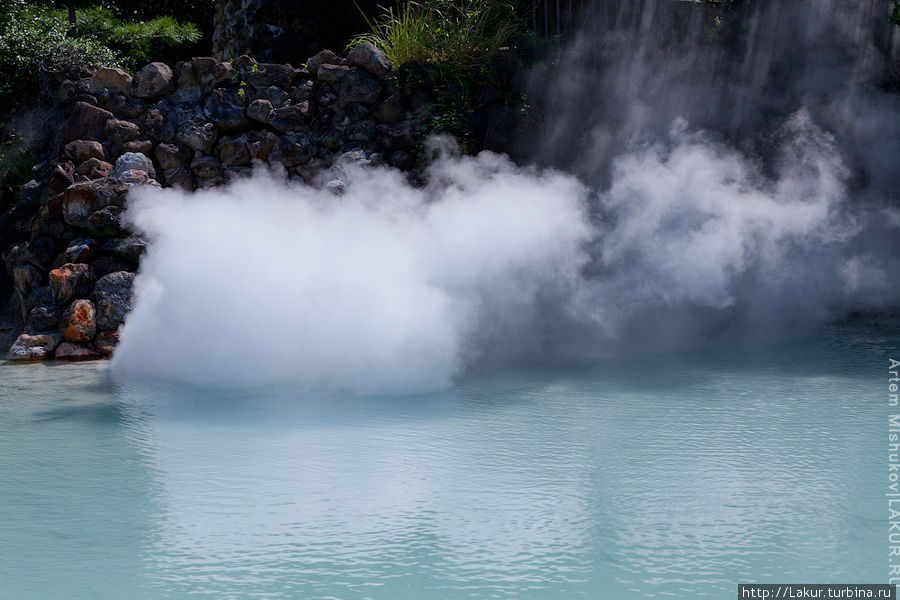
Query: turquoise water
{"x": 660, "y": 476}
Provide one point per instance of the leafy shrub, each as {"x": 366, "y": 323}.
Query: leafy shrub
{"x": 435, "y": 31}
{"x": 35, "y": 46}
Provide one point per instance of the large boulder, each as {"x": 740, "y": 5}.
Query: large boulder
{"x": 325, "y": 57}
{"x": 75, "y": 353}
{"x": 132, "y": 161}
{"x": 226, "y": 108}
{"x": 43, "y": 318}
{"x": 112, "y": 299}
{"x": 113, "y": 80}
{"x": 94, "y": 168}
{"x": 130, "y": 248}
{"x": 295, "y": 117}
{"x": 370, "y": 58}
{"x": 120, "y": 132}
{"x": 153, "y": 81}
{"x": 78, "y": 323}
{"x": 31, "y": 348}
{"x": 259, "y": 110}
{"x": 70, "y": 281}
{"x": 106, "y": 342}
{"x": 197, "y": 135}
{"x": 87, "y": 122}
{"x": 359, "y": 86}
{"x": 265, "y": 75}
{"x": 82, "y": 199}
{"x": 82, "y": 150}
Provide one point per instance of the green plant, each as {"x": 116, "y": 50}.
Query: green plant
{"x": 895, "y": 15}
{"x": 138, "y": 42}
{"x": 436, "y": 31}
{"x": 35, "y": 46}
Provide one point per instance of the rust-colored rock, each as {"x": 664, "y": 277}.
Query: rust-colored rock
{"x": 106, "y": 342}
{"x": 74, "y": 353}
{"x": 72, "y": 280}
{"x": 79, "y": 322}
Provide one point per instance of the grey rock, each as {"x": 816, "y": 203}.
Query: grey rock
{"x": 72, "y": 352}
{"x": 120, "y": 132}
{"x": 30, "y": 348}
{"x": 359, "y": 86}
{"x": 197, "y": 135}
{"x": 113, "y": 80}
{"x": 259, "y": 110}
{"x": 329, "y": 73}
{"x": 295, "y": 117}
{"x": 225, "y": 108}
{"x": 171, "y": 156}
{"x": 112, "y": 297}
{"x": 325, "y": 57}
{"x": 206, "y": 167}
{"x": 153, "y": 81}
{"x": 85, "y": 123}
{"x": 130, "y": 248}
{"x": 43, "y": 318}
{"x": 370, "y": 58}
{"x": 132, "y": 161}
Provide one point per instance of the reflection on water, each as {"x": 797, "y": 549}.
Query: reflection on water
{"x": 656, "y": 476}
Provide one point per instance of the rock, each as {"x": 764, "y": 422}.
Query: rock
{"x": 389, "y": 110}
{"x": 325, "y": 57}
{"x": 140, "y": 146}
{"x": 120, "y": 132}
{"x": 86, "y": 122}
{"x": 125, "y": 107}
{"x": 27, "y": 278}
{"x": 330, "y": 73}
{"x": 397, "y": 136}
{"x": 94, "y": 168}
{"x": 106, "y": 222}
{"x": 234, "y": 173}
{"x": 82, "y": 199}
{"x": 233, "y": 152}
{"x": 61, "y": 177}
{"x": 359, "y": 86}
{"x": 370, "y": 58}
{"x": 82, "y": 150}
{"x": 71, "y": 281}
{"x": 259, "y": 110}
{"x": 295, "y": 117}
{"x": 106, "y": 342}
{"x": 30, "y": 348}
{"x": 185, "y": 76}
{"x": 112, "y": 298}
{"x": 293, "y": 150}
{"x": 302, "y": 92}
{"x": 81, "y": 250}
{"x": 206, "y": 167}
{"x": 113, "y": 80}
{"x": 40, "y": 252}
{"x": 155, "y": 124}
{"x": 43, "y": 318}
{"x": 180, "y": 178}
{"x": 132, "y": 161}
{"x": 204, "y": 70}
{"x": 109, "y": 264}
{"x": 277, "y": 96}
{"x": 198, "y": 136}
{"x": 74, "y": 353}
{"x": 361, "y": 131}
{"x": 336, "y": 187}
{"x": 170, "y": 156}
{"x": 78, "y": 323}
{"x": 225, "y": 109}
{"x": 153, "y": 81}
{"x": 266, "y": 75}
{"x": 129, "y": 248}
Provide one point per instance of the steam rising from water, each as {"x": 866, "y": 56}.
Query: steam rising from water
{"x": 717, "y": 222}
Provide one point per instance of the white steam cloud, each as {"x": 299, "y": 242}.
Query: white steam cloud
{"x": 394, "y": 288}
{"x": 384, "y": 288}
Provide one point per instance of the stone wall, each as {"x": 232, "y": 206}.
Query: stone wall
{"x": 69, "y": 261}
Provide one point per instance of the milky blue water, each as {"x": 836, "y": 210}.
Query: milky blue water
{"x": 643, "y": 477}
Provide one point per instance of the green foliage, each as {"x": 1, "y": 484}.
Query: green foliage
{"x": 35, "y": 45}
{"x": 436, "y": 31}
{"x": 16, "y": 157}
{"x": 38, "y": 43}
{"x": 138, "y": 42}
{"x": 895, "y": 15}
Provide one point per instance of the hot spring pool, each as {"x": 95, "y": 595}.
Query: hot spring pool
{"x": 660, "y": 476}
